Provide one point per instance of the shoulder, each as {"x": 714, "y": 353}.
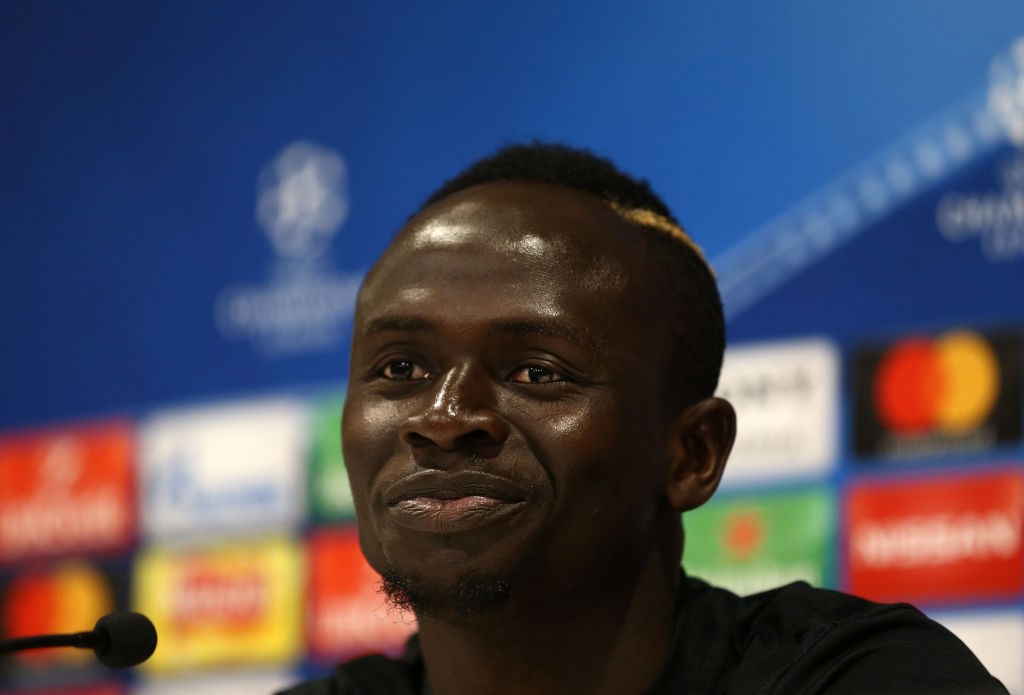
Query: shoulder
{"x": 798, "y": 639}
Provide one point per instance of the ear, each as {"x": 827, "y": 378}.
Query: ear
{"x": 701, "y": 437}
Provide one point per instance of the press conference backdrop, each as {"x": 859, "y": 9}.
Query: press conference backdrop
{"x": 188, "y": 217}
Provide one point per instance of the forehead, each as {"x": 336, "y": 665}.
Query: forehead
{"x": 516, "y": 231}
{"x": 536, "y": 258}
{"x": 518, "y": 211}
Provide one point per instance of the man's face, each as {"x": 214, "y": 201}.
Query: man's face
{"x": 505, "y": 414}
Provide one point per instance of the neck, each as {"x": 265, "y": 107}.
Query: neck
{"x": 614, "y": 639}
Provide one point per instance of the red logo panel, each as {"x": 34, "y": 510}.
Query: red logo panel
{"x": 941, "y": 539}
{"x": 67, "y": 491}
{"x": 348, "y": 614}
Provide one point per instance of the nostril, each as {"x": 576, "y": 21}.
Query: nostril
{"x": 415, "y": 438}
{"x": 474, "y": 438}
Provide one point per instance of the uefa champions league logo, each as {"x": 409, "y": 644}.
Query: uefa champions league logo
{"x": 995, "y": 216}
{"x": 301, "y": 204}
{"x": 302, "y": 200}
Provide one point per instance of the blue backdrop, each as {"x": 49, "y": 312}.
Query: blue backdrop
{"x": 133, "y": 137}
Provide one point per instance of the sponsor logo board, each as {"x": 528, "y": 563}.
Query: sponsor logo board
{"x": 92, "y": 689}
{"x": 58, "y": 597}
{"x": 940, "y": 539}
{"x": 329, "y": 492}
{"x": 234, "y": 683}
{"x": 786, "y": 396}
{"x": 224, "y": 469}
{"x": 997, "y": 639}
{"x": 348, "y": 614}
{"x": 69, "y": 490}
{"x": 235, "y": 604}
{"x": 757, "y": 542}
{"x": 919, "y": 395}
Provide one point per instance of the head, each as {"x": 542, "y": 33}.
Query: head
{"x": 531, "y": 400}
{"x": 687, "y": 295}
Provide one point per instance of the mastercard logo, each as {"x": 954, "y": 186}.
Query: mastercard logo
{"x": 67, "y": 597}
{"x": 949, "y": 383}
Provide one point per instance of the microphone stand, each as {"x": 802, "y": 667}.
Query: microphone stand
{"x": 82, "y": 640}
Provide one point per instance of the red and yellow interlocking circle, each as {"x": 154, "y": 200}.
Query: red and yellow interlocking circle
{"x": 949, "y": 383}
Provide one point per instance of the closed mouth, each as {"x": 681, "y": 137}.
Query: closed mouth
{"x": 440, "y": 485}
{"x": 445, "y": 503}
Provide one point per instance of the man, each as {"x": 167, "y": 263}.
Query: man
{"x": 530, "y": 411}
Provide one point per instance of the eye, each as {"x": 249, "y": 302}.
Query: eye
{"x": 535, "y": 374}
{"x": 403, "y": 370}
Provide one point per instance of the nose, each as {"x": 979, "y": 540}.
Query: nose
{"x": 461, "y": 415}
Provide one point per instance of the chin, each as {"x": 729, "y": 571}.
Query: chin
{"x": 465, "y": 597}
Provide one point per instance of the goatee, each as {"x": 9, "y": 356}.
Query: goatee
{"x": 471, "y": 595}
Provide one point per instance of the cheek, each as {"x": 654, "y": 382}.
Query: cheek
{"x": 369, "y": 435}
{"x": 369, "y": 431}
{"x": 366, "y": 444}
{"x": 583, "y": 448}
{"x": 606, "y": 452}
{"x": 598, "y": 429}
{"x": 606, "y": 491}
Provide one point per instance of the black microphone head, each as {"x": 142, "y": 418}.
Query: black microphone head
{"x": 130, "y": 639}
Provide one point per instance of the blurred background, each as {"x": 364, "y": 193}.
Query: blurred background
{"x": 190, "y": 193}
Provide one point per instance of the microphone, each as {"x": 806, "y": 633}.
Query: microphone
{"x": 119, "y": 640}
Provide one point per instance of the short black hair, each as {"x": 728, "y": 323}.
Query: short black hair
{"x": 693, "y": 306}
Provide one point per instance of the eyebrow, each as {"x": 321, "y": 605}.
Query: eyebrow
{"x": 562, "y": 331}
{"x": 385, "y": 324}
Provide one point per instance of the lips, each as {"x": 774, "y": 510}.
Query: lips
{"x": 442, "y": 502}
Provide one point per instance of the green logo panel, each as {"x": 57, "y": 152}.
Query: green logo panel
{"x": 753, "y": 542}
{"x": 330, "y": 497}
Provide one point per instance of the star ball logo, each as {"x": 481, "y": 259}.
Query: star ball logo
{"x": 1006, "y": 90}
{"x": 303, "y": 199}
{"x": 959, "y": 390}
{"x": 301, "y": 205}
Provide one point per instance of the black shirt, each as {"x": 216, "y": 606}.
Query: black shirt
{"x": 788, "y": 641}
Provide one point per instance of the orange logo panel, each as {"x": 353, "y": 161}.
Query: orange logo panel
{"x": 67, "y": 491}
{"x": 348, "y": 615}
